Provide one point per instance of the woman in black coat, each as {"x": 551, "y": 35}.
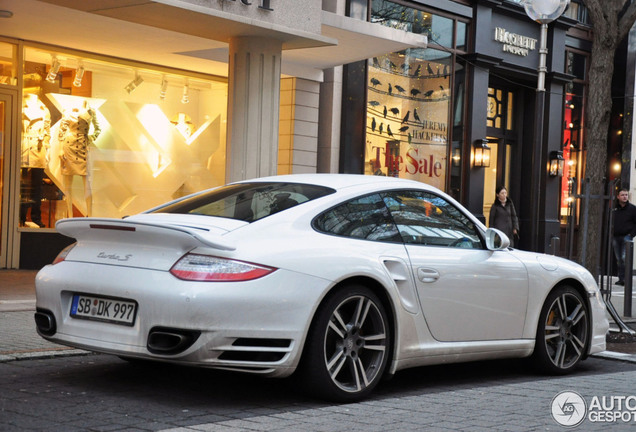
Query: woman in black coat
{"x": 503, "y": 215}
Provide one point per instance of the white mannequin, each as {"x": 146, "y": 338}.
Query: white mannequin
{"x": 75, "y": 147}
{"x": 68, "y": 192}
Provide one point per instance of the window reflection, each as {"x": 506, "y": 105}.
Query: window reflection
{"x": 426, "y": 219}
{"x": 8, "y": 65}
{"x": 363, "y": 218}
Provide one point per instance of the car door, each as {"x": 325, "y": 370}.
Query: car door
{"x": 466, "y": 292}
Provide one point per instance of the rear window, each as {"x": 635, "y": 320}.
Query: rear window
{"x": 247, "y": 201}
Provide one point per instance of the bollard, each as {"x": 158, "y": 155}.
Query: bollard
{"x": 629, "y": 267}
{"x": 555, "y": 245}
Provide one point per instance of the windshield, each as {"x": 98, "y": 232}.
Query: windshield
{"x": 247, "y": 201}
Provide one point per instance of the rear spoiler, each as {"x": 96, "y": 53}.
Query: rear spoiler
{"x": 81, "y": 228}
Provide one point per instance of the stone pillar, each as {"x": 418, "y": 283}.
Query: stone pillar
{"x": 253, "y": 105}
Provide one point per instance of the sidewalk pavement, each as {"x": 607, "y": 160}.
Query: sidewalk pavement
{"x": 19, "y": 339}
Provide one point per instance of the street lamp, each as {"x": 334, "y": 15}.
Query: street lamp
{"x": 543, "y": 12}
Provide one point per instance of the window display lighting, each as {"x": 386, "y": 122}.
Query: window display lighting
{"x": 164, "y": 88}
{"x": 79, "y": 74}
{"x": 55, "y": 68}
{"x": 134, "y": 83}
{"x": 186, "y": 94}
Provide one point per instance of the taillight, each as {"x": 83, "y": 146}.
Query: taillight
{"x": 62, "y": 255}
{"x": 207, "y": 268}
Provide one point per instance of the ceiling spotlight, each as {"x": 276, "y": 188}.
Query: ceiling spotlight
{"x": 79, "y": 74}
{"x": 55, "y": 68}
{"x": 164, "y": 88}
{"x": 134, "y": 83}
{"x": 186, "y": 94}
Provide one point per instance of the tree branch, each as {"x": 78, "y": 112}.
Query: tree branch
{"x": 627, "y": 21}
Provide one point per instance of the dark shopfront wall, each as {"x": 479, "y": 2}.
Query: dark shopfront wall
{"x": 495, "y": 63}
{"x": 38, "y": 249}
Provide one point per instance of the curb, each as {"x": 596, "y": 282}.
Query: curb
{"x": 612, "y": 355}
{"x": 38, "y": 355}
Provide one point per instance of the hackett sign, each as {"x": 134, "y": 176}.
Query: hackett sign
{"x": 264, "y": 4}
{"x": 515, "y": 43}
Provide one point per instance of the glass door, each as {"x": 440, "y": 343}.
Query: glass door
{"x": 8, "y": 237}
{"x": 498, "y": 174}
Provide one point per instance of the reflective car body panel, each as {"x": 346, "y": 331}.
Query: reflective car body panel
{"x": 454, "y": 300}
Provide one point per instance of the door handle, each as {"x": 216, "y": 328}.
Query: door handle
{"x": 427, "y": 275}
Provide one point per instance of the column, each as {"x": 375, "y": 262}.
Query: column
{"x": 253, "y": 107}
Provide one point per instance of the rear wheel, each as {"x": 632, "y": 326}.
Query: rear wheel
{"x": 348, "y": 345}
{"x": 563, "y": 330}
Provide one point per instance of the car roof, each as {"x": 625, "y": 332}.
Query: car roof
{"x": 343, "y": 181}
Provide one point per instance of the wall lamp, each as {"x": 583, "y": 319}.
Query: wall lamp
{"x": 481, "y": 153}
{"x": 556, "y": 164}
{"x": 55, "y": 68}
{"x": 134, "y": 83}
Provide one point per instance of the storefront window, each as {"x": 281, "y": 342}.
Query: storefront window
{"x": 573, "y": 148}
{"x": 8, "y": 64}
{"x": 410, "y": 98}
{"x": 109, "y": 140}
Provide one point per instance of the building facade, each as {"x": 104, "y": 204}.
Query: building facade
{"x": 464, "y": 113}
{"x": 108, "y": 110}
{"x": 111, "y": 108}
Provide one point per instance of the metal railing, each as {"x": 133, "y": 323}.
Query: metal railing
{"x": 605, "y": 271}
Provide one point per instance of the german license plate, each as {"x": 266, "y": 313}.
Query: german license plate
{"x": 107, "y": 309}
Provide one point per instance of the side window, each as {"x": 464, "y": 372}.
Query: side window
{"x": 427, "y": 219}
{"x": 363, "y": 218}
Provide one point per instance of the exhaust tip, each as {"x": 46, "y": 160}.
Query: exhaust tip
{"x": 164, "y": 340}
{"x": 45, "y": 322}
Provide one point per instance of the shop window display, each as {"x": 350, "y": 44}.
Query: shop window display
{"x": 407, "y": 114}
{"x": 117, "y": 140}
{"x": 409, "y": 98}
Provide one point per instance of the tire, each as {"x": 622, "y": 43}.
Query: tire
{"x": 348, "y": 346}
{"x": 563, "y": 332}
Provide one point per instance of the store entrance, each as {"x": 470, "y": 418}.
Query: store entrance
{"x": 502, "y": 140}
{"x": 7, "y": 178}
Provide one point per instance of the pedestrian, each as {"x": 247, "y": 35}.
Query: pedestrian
{"x": 624, "y": 230}
{"x": 503, "y": 215}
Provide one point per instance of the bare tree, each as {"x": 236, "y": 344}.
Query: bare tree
{"x": 611, "y": 22}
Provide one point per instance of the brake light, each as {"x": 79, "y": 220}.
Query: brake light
{"x": 62, "y": 255}
{"x": 207, "y": 268}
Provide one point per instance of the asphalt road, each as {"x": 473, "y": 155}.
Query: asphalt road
{"x": 103, "y": 393}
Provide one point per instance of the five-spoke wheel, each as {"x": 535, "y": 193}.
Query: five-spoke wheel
{"x": 348, "y": 346}
{"x": 563, "y": 331}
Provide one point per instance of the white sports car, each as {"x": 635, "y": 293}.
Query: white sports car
{"x": 340, "y": 278}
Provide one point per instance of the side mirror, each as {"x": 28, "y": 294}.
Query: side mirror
{"x": 496, "y": 240}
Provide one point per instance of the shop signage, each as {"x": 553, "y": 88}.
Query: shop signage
{"x": 412, "y": 161}
{"x": 264, "y": 4}
{"x": 515, "y": 43}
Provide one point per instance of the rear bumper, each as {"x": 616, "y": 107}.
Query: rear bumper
{"x": 255, "y": 326}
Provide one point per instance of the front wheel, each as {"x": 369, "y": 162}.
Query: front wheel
{"x": 348, "y": 345}
{"x": 562, "y": 334}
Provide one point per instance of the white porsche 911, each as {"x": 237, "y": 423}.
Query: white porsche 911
{"x": 340, "y": 278}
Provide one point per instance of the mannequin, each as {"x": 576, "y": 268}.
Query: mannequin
{"x": 36, "y": 135}
{"x": 75, "y": 142}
